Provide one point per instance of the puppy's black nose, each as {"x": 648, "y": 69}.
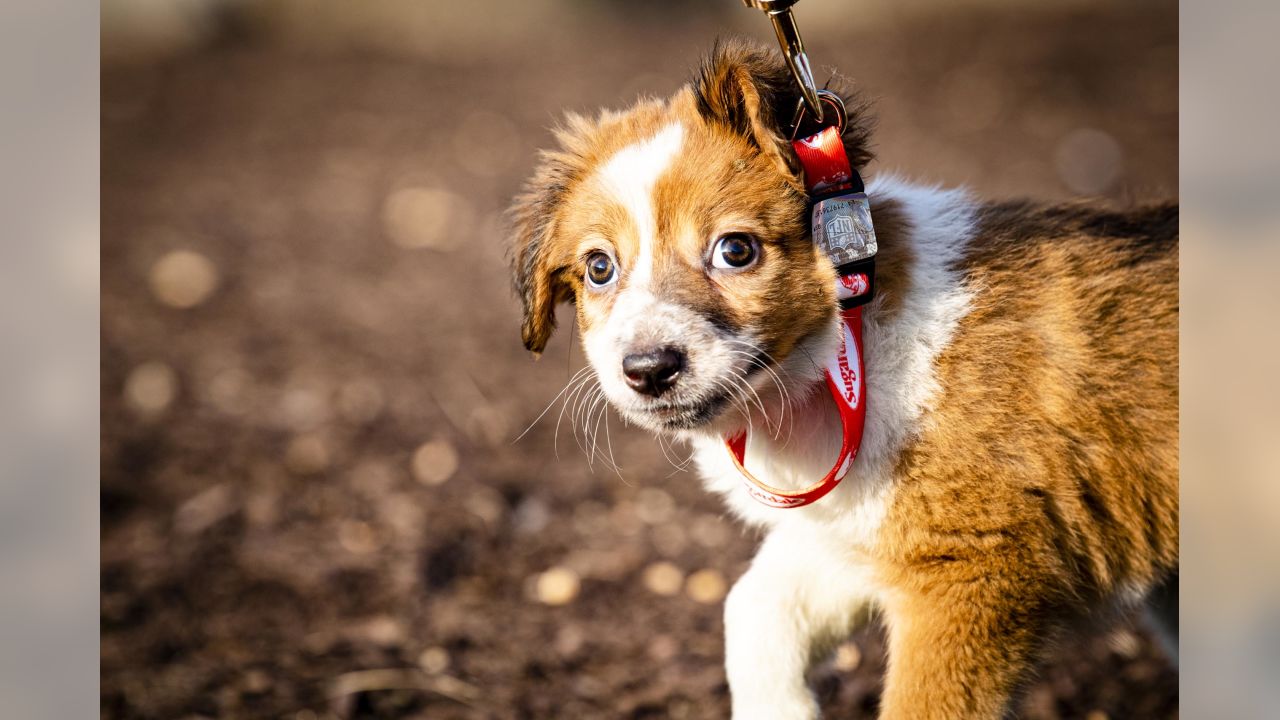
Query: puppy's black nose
{"x": 653, "y": 372}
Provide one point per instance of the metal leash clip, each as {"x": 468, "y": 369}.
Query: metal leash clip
{"x": 784, "y": 26}
{"x": 840, "y": 217}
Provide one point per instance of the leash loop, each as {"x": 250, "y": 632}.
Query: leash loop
{"x": 802, "y": 110}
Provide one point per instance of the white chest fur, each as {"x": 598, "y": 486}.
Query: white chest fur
{"x": 900, "y": 353}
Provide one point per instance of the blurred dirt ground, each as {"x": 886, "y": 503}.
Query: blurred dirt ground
{"x": 312, "y": 502}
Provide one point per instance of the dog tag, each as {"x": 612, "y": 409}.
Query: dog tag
{"x": 842, "y": 228}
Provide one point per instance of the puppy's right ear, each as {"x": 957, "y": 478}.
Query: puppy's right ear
{"x": 538, "y": 277}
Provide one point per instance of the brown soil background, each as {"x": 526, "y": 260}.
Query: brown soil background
{"x": 265, "y": 537}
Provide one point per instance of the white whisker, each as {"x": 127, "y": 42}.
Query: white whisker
{"x": 758, "y": 357}
{"x": 588, "y": 434}
{"x": 738, "y": 403}
{"x": 551, "y": 404}
{"x": 580, "y": 384}
{"x": 608, "y": 438}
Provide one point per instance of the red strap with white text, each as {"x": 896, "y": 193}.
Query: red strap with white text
{"x": 841, "y": 224}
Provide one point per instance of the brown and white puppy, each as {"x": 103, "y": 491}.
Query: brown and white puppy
{"x": 1018, "y": 470}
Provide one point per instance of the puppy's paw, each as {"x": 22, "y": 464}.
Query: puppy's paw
{"x": 799, "y": 707}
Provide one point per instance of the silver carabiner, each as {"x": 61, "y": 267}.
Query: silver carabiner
{"x": 784, "y": 26}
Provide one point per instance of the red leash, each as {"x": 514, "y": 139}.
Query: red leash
{"x": 841, "y": 225}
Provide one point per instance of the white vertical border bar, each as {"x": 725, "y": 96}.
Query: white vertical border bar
{"x": 49, "y": 358}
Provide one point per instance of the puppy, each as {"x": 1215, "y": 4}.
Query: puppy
{"x": 1018, "y": 468}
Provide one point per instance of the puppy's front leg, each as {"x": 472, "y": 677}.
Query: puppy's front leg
{"x": 958, "y": 651}
{"x": 799, "y": 595}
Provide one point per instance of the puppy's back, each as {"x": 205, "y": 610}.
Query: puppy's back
{"x": 1050, "y": 453}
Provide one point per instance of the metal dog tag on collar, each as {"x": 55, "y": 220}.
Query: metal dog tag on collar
{"x": 842, "y": 228}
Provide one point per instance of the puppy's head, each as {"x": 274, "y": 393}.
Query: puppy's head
{"x": 679, "y": 230}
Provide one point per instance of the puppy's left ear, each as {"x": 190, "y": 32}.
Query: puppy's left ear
{"x": 538, "y": 279}
{"x": 750, "y": 90}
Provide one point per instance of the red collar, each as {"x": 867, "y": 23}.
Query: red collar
{"x": 841, "y": 225}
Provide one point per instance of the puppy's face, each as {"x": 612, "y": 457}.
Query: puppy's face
{"x": 679, "y": 230}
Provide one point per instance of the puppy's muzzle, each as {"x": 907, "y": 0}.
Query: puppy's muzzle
{"x": 655, "y": 371}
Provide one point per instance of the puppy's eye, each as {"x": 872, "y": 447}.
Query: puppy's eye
{"x": 735, "y": 251}
{"x": 600, "y": 270}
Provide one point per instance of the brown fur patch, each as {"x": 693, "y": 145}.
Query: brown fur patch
{"x": 893, "y": 259}
{"x": 1046, "y": 480}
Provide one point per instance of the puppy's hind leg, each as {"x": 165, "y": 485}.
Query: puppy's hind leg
{"x": 798, "y": 597}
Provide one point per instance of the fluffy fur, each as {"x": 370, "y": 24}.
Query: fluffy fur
{"x": 1018, "y": 472}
